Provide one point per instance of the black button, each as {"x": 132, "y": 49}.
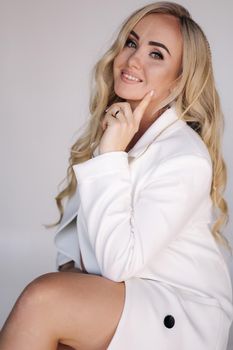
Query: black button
{"x": 169, "y": 321}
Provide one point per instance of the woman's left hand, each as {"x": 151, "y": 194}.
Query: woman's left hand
{"x": 120, "y": 130}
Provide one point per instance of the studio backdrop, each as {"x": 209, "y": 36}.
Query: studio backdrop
{"x": 47, "y": 51}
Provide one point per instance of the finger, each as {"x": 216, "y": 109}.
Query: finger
{"x": 103, "y": 124}
{"x": 140, "y": 109}
{"x": 112, "y": 109}
{"x": 120, "y": 115}
{"x": 127, "y": 112}
{"x": 117, "y": 112}
{"x": 109, "y": 119}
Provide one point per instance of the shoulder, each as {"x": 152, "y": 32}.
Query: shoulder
{"x": 181, "y": 141}
{"x": 179, "y": 154}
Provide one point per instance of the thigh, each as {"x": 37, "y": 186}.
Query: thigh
{"x": 85, "y": 308}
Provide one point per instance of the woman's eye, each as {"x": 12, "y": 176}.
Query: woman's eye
{"x": 128, "y": 41}
{"x": 158, "y": 55}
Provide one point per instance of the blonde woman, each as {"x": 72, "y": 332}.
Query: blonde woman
{"x": 142, "y": 225}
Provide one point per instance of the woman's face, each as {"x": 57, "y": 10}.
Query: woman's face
{"x": 156, "y": 64}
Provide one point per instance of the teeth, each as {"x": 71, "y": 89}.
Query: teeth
{"x": 130, "y": 77}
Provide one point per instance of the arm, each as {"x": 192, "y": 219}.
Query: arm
{"x": 126, "y": 235}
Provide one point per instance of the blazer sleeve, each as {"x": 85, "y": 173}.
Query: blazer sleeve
{"x": 125, "y": 237}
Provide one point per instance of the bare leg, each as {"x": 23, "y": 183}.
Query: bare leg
{"x": 70, "y": 308}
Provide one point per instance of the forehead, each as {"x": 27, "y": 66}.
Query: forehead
{"x": 160, "y": 27}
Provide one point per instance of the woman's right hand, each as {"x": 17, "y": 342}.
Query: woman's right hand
{"x": 119, "y": 131}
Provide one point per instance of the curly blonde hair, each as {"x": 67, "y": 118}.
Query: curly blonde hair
{"x": 195, "y": 96}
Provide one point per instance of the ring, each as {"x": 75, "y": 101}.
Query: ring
{"x": 115, "y": 115}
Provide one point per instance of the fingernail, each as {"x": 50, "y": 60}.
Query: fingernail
{"x": 152, "y": 93}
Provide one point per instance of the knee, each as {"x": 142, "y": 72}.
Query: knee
{"x": 40, "y": 291}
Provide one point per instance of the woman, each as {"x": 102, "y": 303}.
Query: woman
{"x": 144, "y": 181}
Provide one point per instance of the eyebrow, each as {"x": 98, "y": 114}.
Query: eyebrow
{"x": 153, "y": 43}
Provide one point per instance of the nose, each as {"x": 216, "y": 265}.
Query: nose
{"x": 134, "y": 60}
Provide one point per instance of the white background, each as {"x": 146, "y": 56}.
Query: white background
{"x": 47, "y": 51}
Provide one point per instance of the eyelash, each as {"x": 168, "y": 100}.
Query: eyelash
{"x": 157, "y": 52}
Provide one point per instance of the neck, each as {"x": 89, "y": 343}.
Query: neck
{"x": 144, "y": 125}
{"x": 150, "y": 114}
{"x": 147, "y": 120}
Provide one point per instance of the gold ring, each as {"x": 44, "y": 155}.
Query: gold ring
{"x": 115, "y": 115}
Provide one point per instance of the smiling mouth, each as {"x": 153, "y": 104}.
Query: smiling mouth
{"x": 129, "y": 78}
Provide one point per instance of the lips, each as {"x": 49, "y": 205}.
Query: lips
{"x": 131, "y": 73}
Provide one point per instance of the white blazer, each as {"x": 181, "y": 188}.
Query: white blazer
{"x": 146, "y": 214}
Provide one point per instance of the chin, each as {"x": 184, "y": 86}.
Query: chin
{"x": 128, "y": 95}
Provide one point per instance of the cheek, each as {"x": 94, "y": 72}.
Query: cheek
{"x": 120, "y": 59}
{"x": 156, "y": 74}
{"x": 160, "y": 76}
{"x": 115, "y": 67}
{"x": 116, "y": 64}
{"x": 119, "y": 63}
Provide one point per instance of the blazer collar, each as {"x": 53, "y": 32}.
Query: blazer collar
{"x": 166, "y": 119}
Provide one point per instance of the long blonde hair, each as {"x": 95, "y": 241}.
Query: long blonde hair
{"x": 195, "y": 96}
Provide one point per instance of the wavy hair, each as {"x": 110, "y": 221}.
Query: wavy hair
{"x": 195, "y": 96}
